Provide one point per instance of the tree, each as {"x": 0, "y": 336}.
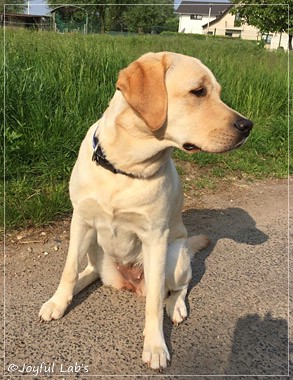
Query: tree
{"x": 96, "y": 9}
{"x": 112, "y": 15}
{"x": 269, "y": 16}
{"x": 148, "y": 18}
{"x": 12, "y": 6}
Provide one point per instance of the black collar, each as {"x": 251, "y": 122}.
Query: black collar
{"x": 100, "y": 158}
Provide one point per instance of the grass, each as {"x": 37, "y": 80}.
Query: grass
{"x": 58, "y": 85}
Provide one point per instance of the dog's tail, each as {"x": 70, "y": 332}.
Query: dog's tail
{"x": 197, "y": 243}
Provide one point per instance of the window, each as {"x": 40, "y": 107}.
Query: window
{"x": 237, "y": 20}
{"x": 232, "y": 33}
{"x": 267, "y": 38}
{"x": 195, "y": 17}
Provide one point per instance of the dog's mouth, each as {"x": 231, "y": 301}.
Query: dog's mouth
{"x": 235, "y": 146}
{"x": 191, "y": 148}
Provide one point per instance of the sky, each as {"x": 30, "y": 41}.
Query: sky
{"x": 39, "y": 7}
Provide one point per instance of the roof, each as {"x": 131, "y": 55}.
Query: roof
{"x": 23, "y": 15}
{"x": 218, "y": 18}
{"x": 197, "y": 7}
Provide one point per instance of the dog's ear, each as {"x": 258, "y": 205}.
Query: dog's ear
{"x": 142, "y": 84}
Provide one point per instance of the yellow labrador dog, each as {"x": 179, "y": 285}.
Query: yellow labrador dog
{"x": 127, "y": 195}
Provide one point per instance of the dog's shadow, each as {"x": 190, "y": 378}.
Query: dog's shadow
{"x": 230, "y": 223}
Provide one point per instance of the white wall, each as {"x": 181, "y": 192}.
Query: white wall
{"x": 276, "y": 40}
{"x": 186, "y": 25}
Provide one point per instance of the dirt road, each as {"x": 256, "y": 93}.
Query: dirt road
{"x": 238, "y": 298}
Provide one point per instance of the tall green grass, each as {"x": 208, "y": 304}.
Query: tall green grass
{"x": 57, "y": 85}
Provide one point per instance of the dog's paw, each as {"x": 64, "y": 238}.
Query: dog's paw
{"x": 52, "y": 309}
{"x": 156, "y": 357}
{"x": 176, "y": 309}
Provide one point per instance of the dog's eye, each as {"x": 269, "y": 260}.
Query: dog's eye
{"x": 199, "y": 92}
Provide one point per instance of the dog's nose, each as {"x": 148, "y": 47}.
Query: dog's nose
{"x": 243, "y": 125}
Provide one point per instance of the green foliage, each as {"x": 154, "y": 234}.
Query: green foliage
{"x": 131, "y": 17}
{"x": 96, "y": 10}
{"x": 149, "y": 18}
{"x": 12, "y": 6}
{"x": 58, "y": 85}
{"x": 266, "y": 15}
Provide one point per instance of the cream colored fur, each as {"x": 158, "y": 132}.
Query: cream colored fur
{"x": 137, "y": 219}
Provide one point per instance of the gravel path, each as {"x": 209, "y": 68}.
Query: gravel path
{"x": 238, "y": 298}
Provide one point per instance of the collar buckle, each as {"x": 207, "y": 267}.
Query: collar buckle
{"x": 100, "y": 159}
{"x": 95, "y": 156}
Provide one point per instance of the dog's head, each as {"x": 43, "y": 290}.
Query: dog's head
{"x": 178, "y": 98}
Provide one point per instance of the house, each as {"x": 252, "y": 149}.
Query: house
{"x": 194, "y": 14}
{"x": 215, "y": 18}
{"x": 279, "y": 40}
{"x": 38, "y": 22}
{"x": 228, "y": 25}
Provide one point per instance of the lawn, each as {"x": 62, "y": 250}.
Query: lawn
{"x": 57, "y": 85}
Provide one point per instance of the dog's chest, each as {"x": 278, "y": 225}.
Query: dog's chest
{"x": 119, "y": 231}
{"x": 118, "y": 234}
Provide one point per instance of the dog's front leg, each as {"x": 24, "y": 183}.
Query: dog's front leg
{"x": 155, "y": 352}
{"x": 81, "y": 237}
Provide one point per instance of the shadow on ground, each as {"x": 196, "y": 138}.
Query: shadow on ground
{"x": 260, "y": 346}
{"x": 230, "y": 223}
